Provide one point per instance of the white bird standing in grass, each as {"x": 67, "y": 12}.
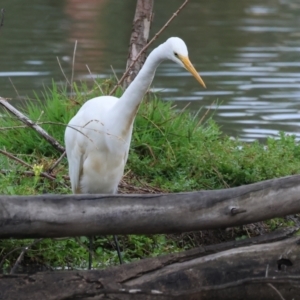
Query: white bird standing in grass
{"x": 98, "y": 137}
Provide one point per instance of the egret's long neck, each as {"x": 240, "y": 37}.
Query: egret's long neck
{"x": 127, "y": 106}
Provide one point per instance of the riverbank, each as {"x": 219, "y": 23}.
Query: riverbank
{"x": 172, "y": 151}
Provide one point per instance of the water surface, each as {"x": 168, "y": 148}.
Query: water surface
{"x": 247, "y": 52}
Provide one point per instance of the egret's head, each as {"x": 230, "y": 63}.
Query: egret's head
{"x": 178, "y": 52}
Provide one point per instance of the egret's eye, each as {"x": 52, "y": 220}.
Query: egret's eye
{"x": 176, "y": 54}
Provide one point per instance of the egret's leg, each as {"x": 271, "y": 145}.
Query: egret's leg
{"x": 118, "y": 249}
{"x": 90, "y": 253}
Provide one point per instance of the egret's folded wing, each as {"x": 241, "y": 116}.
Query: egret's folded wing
{"x": 75, "y": 159}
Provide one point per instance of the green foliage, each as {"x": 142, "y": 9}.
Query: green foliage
{"x": 170, "y": 150}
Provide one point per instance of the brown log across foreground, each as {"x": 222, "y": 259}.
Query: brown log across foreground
{"x": 229, "y": 271}
{"x": 76, "y": 215}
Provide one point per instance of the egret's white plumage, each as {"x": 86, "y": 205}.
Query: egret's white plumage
{"x": 98, "y": 137}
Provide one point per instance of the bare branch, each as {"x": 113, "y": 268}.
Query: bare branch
{"x": 22, "y": 162}
{"x": 26, "y": 248}
{"x": 73, "y": 66}
{"x": 144, "y": 48}
{"x": 120, "y": 214}
{"x": 274, "y": 288}
{"x": 99, "y": 87}
{"x": 32, "y": 124}
{"x": 2, "y": 17}
{"x": 50, "y": 170}
{"x": 62, "y": 70}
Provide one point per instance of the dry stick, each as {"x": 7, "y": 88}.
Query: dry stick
{"x": 50, "y": 170}
{"x": 100, "y": 89}
{"x": 14, "y": 87}
{"x": 12, "y": 271}
{"x": 274, "y": 288}
{"x": 62, "y": 70}
{"x": 146, "y": 46}
{"x": 33, "y": 125}
{"x": 7, "y": 255}
{"x": 73, "y": 64}
{"x": 22, "y": 162}
{"x": 114, "y": 72}
{"x": 2, "y": 17}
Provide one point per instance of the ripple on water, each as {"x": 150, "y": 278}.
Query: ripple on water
{"x": 275, "y": 117}
{"x": 235, "y": 114}
{"x": 22, "y": 74}
{"x": 275, "y": 80}
{"x": 266, "y": 29}
{"x": 286, "y": 95}
{"x": 267, "y": 86}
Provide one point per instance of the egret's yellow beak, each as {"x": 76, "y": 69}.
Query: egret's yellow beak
{"x": 188, "y": 65}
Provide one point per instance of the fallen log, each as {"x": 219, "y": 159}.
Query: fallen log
{"x": 76, "y": 215}
{"x": 264, "y": 271}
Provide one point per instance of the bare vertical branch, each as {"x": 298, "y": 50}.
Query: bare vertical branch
{"x": 139, "y": 38}
{"x": 144, "y": 48}
{"x": 73, "y": 66}
{"x": 2, "y": 17}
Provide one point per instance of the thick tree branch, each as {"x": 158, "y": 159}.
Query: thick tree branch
{"x": 75, "y": 215}
{"x": 238, "y": 273}
{"x": 139, "y": 38}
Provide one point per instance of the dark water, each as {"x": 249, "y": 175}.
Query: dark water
{"x": 247, "y": 52}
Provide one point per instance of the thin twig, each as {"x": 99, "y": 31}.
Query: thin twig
{"x": 147, "y": 45}
{"x": 100, "y": 89}
{"x": 50, "y": 170}
{"x": 11, "y": 156}
{"x": 274, "y": 288}
{"x": 12, "y": 271}
{"x": 22, "y": 162}
{"x": 32, "y": 124}
{"x": 73, "y": 65}
{"x": 14, "y": 87}
{"x": 114, "y": 72}
{"x": 2, "y": 17}
{"x": 63, "y": 71}
{"x": 31, "y": 173}
{"x": 7, "y": 255}
{"x": 204, "y": 116}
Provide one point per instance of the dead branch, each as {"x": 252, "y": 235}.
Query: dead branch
{"x": 20, "y": 258}
{"x": 2, "y": 17}
{"x": 139, "y": 37}
{"x": 236, "y": 273}
{"x": 50, "y": 170}
{"x": 32, "y": 125}
{"x": 146, "y": 47}
{"x": 58, "y": 215}
{"x": 22, "y": 162}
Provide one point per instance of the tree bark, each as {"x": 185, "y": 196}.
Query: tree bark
{"x": 139, "y": 37}
{"x": 259, "y": 271}
{"x": 77, "y": 215}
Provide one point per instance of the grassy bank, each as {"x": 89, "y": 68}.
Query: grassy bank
{"x": 172, "y": 150}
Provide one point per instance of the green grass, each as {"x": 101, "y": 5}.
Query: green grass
{"x": 170, "y": 150}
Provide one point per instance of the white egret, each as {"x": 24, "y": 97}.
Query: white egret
{"x": 98, "y": 137}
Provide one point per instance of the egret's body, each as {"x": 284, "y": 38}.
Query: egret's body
{"x": 98, "y": 137}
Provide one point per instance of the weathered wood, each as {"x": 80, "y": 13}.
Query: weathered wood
{"x": 251, "y": 272}
{"x": 139, "y": 38}
{"x": 75, "y": 215}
